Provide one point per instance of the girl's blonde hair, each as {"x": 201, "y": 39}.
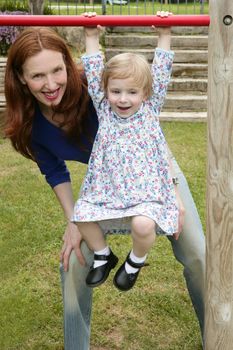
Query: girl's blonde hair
{"x": 129, "y": 65}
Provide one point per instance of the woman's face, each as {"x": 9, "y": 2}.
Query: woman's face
{"x": 46, "y": 77}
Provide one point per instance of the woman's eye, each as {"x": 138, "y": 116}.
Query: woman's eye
{"x": 58, "y": 69}
{"x": 37, "y": 76}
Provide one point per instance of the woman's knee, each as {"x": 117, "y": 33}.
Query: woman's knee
{"x": 74, "y": 263}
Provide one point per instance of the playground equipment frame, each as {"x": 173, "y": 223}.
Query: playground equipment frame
{"x": 104, "y": 20}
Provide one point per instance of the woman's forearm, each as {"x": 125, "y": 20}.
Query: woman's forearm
{"x": 64, "y": 195}
{"x": 72, "y": 237}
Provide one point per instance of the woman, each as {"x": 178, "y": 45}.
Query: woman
{"x": 50, "y": 119}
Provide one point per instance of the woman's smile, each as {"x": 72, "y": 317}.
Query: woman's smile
{"x": 52, "y": 95}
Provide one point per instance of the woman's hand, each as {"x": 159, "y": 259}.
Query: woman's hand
{"x": 72, "y": 241}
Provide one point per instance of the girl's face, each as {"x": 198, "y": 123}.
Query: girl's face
{"x": 124, "y": 97}
{"x": 46, "y": 77}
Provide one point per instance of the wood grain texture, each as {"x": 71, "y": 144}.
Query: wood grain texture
{"x": 219, "y": 235}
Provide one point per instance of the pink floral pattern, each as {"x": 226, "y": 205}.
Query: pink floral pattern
{"x": 128, "y": 172}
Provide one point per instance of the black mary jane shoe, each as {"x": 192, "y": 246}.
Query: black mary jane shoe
{"x": 97, "y": 276}
{"x": 125, "y": 281}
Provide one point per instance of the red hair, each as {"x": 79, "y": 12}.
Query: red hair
{"x": 20, "y": 103}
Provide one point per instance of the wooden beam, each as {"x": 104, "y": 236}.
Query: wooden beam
{"x": 219, "y": 273}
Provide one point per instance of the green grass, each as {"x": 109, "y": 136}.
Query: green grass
{"x": 132, "y": 8}
{"x": 155, "y": 315}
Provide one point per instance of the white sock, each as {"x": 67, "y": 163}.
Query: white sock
{"x": 105, "y": 251}
{"x": 136, "y": 259}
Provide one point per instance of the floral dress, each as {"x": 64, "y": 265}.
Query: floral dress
{"x": 128, "y": 171}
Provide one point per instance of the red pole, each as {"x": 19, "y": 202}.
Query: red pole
{"x": 128, "y": 20}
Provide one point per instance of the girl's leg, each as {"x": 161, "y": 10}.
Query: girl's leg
{"x": 104, "y": 259}
{"x": 189, "y": 249}
{"x": 92, "y": 234}
{"x": 143, "y": 235}
{"x": 77, "y": 301}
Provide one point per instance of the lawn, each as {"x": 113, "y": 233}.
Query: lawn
{"x": 155, "y": 315}
{"x": 133, "y": 7}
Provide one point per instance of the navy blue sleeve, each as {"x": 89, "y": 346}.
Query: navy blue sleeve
{"x": 51, "y": 147}
{"x": 52, "y": 167}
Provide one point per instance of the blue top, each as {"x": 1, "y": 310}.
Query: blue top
{"x": 52, "y": 148}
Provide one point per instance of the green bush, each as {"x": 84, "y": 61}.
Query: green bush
{"x": 14, "y": 6}
{"x": 21, "y": 6}
{"x": 8, "y": 34}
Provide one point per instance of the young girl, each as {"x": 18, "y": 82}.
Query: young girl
{"x": 128, "y": 176}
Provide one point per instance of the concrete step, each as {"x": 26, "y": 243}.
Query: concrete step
{"x": 2, "y": 73}
{"x": 185, "y": 103}
{"x": 191, "y": 42}
{"x": 183, "y": 116}
{"x": 181, "y": 56}
{"x": 188, "y": 85}
{"x": 3, "y": 60}
{"x": 148, "y": 30}
{"x": 190, "y": 70}
{"x": 2, "y": 102}
{"x": 191, "y": 56}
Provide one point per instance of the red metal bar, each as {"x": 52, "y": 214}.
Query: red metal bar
{"x": 128, "y": 20}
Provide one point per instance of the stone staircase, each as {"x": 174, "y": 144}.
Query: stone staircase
{"x": 2, "y": 72}
{"x": 187, "y": 93}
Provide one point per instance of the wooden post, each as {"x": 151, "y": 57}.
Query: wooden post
{"x": 219, "y": 274}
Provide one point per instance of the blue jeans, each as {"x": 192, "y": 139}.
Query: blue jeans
{"x": 189, "y": 250}
{"x": 77, "y": 301}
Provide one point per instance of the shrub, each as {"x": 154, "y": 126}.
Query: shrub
{"x": 8, "y": 34}
{"x": 21, "y": 6}
{"x": 14, "y": 6}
